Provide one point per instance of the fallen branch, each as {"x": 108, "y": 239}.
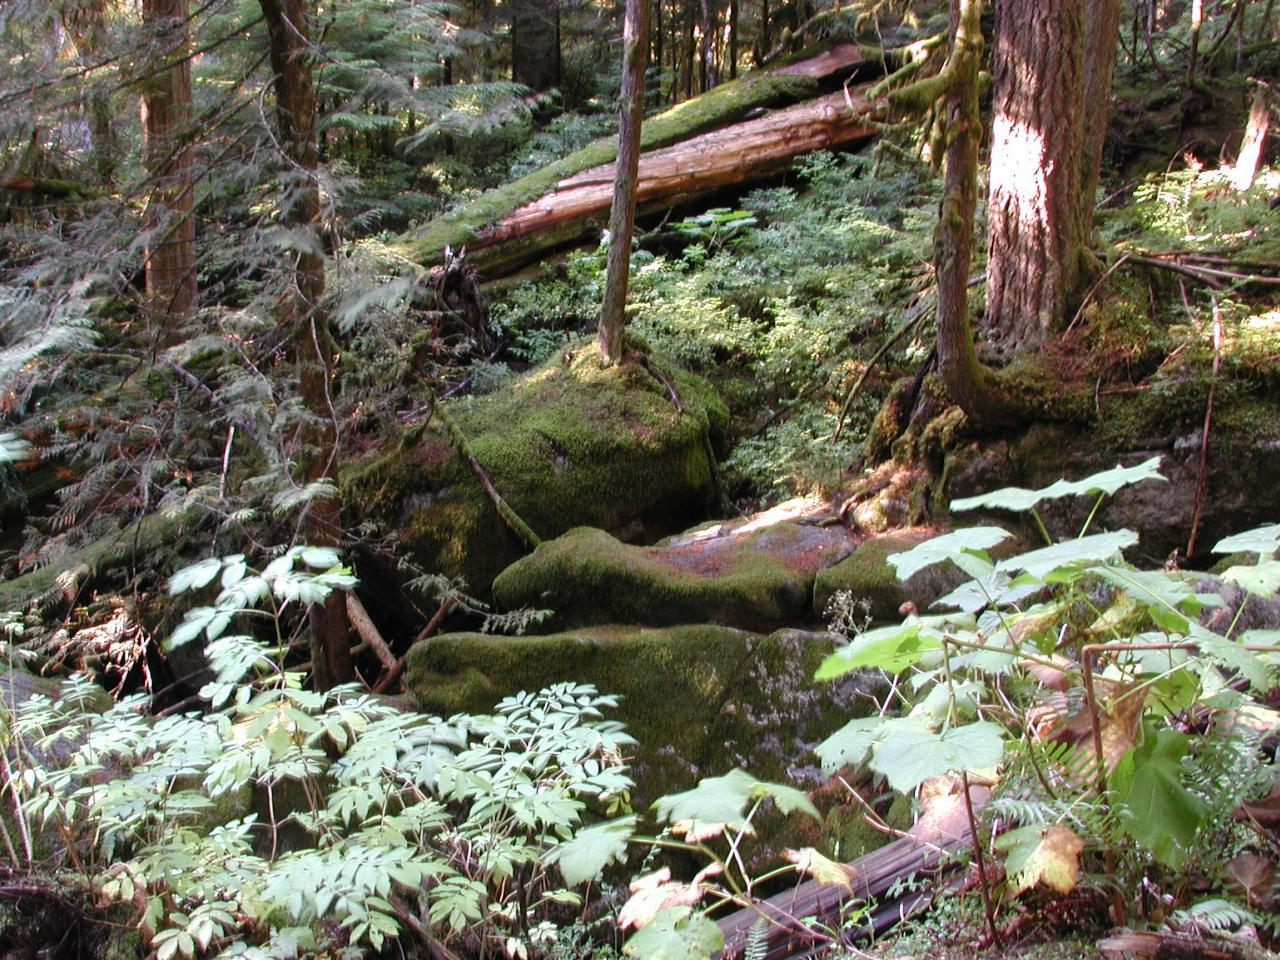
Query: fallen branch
{"x": 364, "y": 626}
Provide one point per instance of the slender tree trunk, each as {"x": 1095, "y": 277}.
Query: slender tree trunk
{"x": 733, "y": 39}
{"x": 966, "y": 379}
{"x": 166, "y": 106}
{"x": 1036, "y": 252}
{"x": 687, "y": 53}
{"x": 622, "y": 217}
{"x": 764, "y": 28}
{"x": 1255, "y": 135}
{"x": 657, "y": 45}
{"x": 1101, "y": 41}
{"x": 1193, "y": 44}
{"x": 302, "y": 312}
{"x": 86, "y": 23}
{"x": 535, "y": 43}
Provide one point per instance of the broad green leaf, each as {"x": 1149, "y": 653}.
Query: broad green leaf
{"x": 233, "y": 571}
{"x": 1233, "y": 656}
{"x": 676, "y": 933}
{"x": 1070, "y": 553}
{"x": 592, "y": 849}
{"x": 852, "y": 744}
{"x": 1264, "y": 541}
{"x": 1020, "y": 499}
{"x": 1261, "y": 579}
{"x": 195, "y": 576}
{"x": 946, "y": 547}
{"x": 720, "y": 803}
{"x": 909, "y": 757}
{"x": 1039, "y": 854}
{"x": 1159, "y": 812}
{"x": 892, "y": 648}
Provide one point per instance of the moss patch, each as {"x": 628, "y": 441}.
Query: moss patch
{"x": 700, "y": 700}
{"x": 748, "y": 577}
{"x": 568, "y": 444}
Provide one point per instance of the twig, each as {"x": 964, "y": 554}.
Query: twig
{"x": 391, "y": 676}
{"x": 1092, "y": 290}
{"x": 1204, "y": 437}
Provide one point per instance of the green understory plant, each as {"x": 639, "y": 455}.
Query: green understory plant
{"x": 1116, "y": 712}
{"x": 286, "y": 822}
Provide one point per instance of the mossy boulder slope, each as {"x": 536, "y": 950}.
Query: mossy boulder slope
{"x": 700, "y": 700}
{"x": 756, "y": 573}
{"x": 872, "y": 580}
{"x": 568, "y": 444}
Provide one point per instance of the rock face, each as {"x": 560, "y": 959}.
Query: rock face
{"x": 757, "y": 573}
{"x": 701, "y": 700}
{"x": 568, "y": 444}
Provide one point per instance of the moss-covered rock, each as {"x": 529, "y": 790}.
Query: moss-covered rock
{"x": 700, "y": 700}
{"x": 745, "y": 574}
{"x": 567, "y": 444}
{"x": 872, "y": 580}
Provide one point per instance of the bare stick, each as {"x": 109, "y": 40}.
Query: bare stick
{"x": 364, "y": 626}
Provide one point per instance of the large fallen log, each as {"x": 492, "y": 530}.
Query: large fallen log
{"x": 730, "y": 156}
{"x": 502, "y": 233}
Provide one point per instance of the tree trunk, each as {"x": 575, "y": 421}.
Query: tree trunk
{"x": 166, "y": 106}
{"x": 302, "y": 312}
{"x": 958, "y": 363}
{"x": 1255, "y": 135}
{"x": 1035, "y": 248}
{"x": 85, "y": 22}
{"x": 1101, "y": 40}
{"x": 535, "y": 44}
{"x": 733, "y": 39}
{"x": 622, "y": 217}
{"x": 707, "y": 65}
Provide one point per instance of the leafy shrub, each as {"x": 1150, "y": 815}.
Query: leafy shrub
{"x": 1111, "y": 711}
{"x": 376, "y": 822}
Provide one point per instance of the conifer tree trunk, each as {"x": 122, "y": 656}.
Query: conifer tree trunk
{"x": 166, "y": 98}
{"x": 1255, "y": 136}
{"x": 535, "y": 43}
{"x": 622, "y": 216}
{"x": 1036, "y": 248}
{"x": 302, "y": 312}
{"x": 1101, "y": 40}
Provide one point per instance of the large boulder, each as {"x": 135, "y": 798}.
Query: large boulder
{"x": 700, "y": 700}
{"x": 872, "y": 581}
{"x": 567, "y": 444}
{"x": 755, "y": 573}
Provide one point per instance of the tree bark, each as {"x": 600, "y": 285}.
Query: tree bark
{"x": 1101, "y": 40}
{"x": 966, "y": 379}
{"x": 622, "y": 217}
{"x": 1255, "y": 135}
{"x": 1035, "y": 250}
{"x": 170, "y": 272}
{"x": 302, "y": 313}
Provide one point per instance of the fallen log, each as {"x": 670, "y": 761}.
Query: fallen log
{"x": 744, "y": 152}
{"x": 927, "y": 850}
{"x": 474, "y": 224}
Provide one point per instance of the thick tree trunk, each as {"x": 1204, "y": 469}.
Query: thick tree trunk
{"x": 166, "y": 105}
{"x": 535, "y": 43}
{"x": 302, "y": 312}
{"x": 1035, "y": 249}
{"x": 622, "y": 217}
{"x": 1101, "y": 40}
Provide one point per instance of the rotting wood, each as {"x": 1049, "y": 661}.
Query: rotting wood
{"x": 929, "y": 848}
{"x": 732, "y": 156}
{"x": 476, "y": 224}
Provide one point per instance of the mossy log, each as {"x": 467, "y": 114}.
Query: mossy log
{"x": 692, "y": 148}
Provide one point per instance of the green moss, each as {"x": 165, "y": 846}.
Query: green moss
{"x": 764, "y": 577}
{"x": 722, "y": 105}
{"x": 872, "y": 580}
{"x": 567, "y": 444}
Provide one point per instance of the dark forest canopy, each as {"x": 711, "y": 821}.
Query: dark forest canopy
{"x": 324, "y": 374}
